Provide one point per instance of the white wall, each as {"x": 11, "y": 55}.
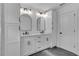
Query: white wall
{"x": 0, "y": 29}
{"x": 55, "y": 26}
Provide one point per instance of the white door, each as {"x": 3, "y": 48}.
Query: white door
{"x": 12, "y": 46}
{"x": 67, "y": 30}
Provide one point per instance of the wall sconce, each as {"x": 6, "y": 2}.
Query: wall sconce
{"x": 42, "y": 14}
{"x": 25, "y": 11}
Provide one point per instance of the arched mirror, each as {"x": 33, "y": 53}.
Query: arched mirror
{"x": 26, "y": 22}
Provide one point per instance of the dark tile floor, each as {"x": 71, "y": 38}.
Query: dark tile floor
{"x": 54, "y": 52}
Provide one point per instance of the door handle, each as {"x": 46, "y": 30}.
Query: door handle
{"x": 61, "y": 33}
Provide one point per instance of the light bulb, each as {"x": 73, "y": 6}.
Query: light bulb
{"x": 24, "y": 11}
{"x": 38, "y": 14}
{"x": 29, "y": 12}
{"x": 44, "y": 15}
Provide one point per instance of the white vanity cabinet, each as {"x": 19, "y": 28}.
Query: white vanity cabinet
{"x": 33, "y": 44}
{"x": 27, "y": 46}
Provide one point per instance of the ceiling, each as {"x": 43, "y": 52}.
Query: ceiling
{"x": 40, "y": 6}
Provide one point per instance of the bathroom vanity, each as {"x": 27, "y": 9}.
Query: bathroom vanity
{"x": 26, "y": 31}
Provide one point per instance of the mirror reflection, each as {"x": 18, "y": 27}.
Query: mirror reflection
{"x": 26, "y": 22}
{"x": 41, "y": 24}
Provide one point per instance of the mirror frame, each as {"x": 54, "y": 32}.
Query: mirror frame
{"x": 29, "y": 25}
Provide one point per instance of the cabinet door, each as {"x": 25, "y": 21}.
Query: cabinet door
{"x": 67, "y": 31}
{"x": 25, "y": 46}
{"x": 28, "y": 45}
{"x": 12, "y": 39}
{"x": 11, "y": 12}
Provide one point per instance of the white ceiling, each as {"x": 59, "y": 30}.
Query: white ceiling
{"x": 40, "y": 6}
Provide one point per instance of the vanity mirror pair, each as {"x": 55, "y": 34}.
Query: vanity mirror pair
{"x": 26, "y": 22}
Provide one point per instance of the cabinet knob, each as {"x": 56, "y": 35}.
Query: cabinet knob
{"x": 38, "y": 37}
{"x": 28, "y": 43}
{"x": 47, "y": 38}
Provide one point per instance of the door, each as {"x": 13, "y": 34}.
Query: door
{"x": 67, "y": 30}
{"x": 12, "y": 45}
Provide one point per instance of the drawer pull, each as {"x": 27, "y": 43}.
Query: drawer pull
{"x": 28, "y": 43}
{"x": 39, "y": 41}
{"x": 47, "y": 39}
{"x": 39, "y": 37}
